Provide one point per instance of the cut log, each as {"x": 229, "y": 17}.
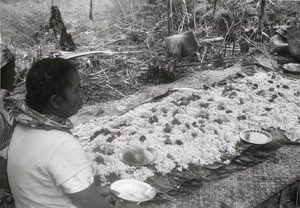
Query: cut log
{"x": 182, "y": 44}
{"x": 60, "y": 31}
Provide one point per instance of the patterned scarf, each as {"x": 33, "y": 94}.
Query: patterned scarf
{"x": 29, "y": 117}
{"x": 8, "y": 125}
{"x": 6, "y": 199}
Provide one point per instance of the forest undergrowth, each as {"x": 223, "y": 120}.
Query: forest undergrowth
{"x": 139, "y": 26}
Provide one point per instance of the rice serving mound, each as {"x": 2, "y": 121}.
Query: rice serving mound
{"x": 190, "y": 127}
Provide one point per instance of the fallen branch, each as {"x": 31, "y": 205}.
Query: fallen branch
{"x": 211, "y": 40}
{"x": 70, "y": 55}
{"x": 102, "y": 70}
{"x": 230, "y": 59}
{"x": 115, "y": 90}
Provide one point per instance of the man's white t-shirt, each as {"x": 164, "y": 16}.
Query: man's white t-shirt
{"x": 43, "y": 166}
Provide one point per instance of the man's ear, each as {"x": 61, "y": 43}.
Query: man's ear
{"x": 54, "y": 101}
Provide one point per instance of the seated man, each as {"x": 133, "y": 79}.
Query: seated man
{"x": 6, "y": 122}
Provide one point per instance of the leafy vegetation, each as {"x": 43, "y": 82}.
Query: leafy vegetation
{"x": 136, "y": 25}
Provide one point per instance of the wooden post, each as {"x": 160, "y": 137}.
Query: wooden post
{"x": 91, "y": 11}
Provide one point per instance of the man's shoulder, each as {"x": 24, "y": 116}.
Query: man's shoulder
{"x": 53, "y": 135}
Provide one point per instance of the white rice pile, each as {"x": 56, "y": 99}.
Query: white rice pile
{"x": 191, "y": 127}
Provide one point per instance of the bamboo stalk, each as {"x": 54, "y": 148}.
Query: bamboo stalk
{"x": 123, "y": 11}
{"x": 115, "y": 90}
{"x": 215, "y": 5}
{"x": 234, "y": 42}
{"x": 204, "y": 54}
{"x": 70, "y": 55}
{"x": 185, "y": 11}
{"x": 229, "y": 59}
{"x": 104, "y": 73}
{"x": 168, "y": 18}
{"x": 171, "y": 13}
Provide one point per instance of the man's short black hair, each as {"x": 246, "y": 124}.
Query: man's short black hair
{"x": 47, "y": 77}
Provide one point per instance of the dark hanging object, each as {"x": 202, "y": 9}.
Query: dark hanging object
{"x": 60, "y": 31}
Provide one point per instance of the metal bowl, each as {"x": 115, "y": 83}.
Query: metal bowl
{"x": 137, "y": 155}
{"x": 256, "y": 136}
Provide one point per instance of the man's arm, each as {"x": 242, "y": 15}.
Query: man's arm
{"x": 91, "y": 198}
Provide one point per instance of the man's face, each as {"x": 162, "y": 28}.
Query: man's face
{"x": 72, "y": 98}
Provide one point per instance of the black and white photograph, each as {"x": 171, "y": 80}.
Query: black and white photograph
{"x": 150, "y": 103}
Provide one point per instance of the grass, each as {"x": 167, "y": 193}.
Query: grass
{"x": 22, "y": 22}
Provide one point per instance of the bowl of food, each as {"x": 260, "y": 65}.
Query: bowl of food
{"x": 256, "y": 136}
{"x": 133, "y": 190}
{"x": 138, "y": 155}
{"x": 292, "y": 68}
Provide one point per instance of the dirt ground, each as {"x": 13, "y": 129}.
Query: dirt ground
{"x": 286, "y": 198}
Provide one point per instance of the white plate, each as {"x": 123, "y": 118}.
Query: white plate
{"x": 133, "y": 190}
{"x": 137, "y": 155}
{"x": 256, "y": 136}
{"x": 292, "y": 68}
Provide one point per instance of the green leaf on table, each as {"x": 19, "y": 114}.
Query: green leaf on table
{"x": 112, "y": 177}
{"x": 161, "y": 184}
{"x": 200, "y": 171}
{"x": 278, "y": 136}
{"x": 223, "y": 205}
{"x": 218, "y": 175}
{"x": 214, "y": 166}
{"x": 272, "y": 145}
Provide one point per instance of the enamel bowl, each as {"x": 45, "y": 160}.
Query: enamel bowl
{"x": 256, "y": 136}
{"x": 137, "y": 155}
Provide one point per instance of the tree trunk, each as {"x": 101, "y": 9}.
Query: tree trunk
{"x": 168, "y": 17}
{"x": 56, "y": 23}
{"x": 261, "y": 16}
{"x": 91, "y": 11}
